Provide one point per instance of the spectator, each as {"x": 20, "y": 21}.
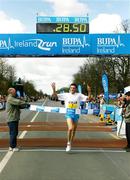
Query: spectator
{"x": 127, "y": 116}
{"x": 13, "y": 117}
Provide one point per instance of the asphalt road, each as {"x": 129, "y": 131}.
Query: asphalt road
{"x": 54, "y": 163}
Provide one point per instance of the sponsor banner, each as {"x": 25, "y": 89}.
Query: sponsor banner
{"x": 79, "y": 88}
{"x": 60, "y": 110}
{"x": 54, "y": 19}
{"x": 49, "y": 45}
{"x": 105, "y": 87}
{"x": 110, "y": 44}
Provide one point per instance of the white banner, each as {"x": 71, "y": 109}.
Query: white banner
{"x": 59, "y": 109}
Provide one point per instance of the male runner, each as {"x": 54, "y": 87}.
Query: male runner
{"x": 72, "y": 102}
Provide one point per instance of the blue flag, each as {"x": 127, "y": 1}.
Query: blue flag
{"x": 105, "y": 87}
{"x": 79, "y": 88}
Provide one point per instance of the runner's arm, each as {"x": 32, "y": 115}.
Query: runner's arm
{"x": 54, "y": 93}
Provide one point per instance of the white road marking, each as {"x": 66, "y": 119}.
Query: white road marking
{"x": 9, "y": 154}
{"x": 73, "y": 150}
{"x": 5, "y": 160}
{"x": 114, "y": 136}
{"x": 25, "y": 132}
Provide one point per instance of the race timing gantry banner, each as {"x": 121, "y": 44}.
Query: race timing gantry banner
{"x": 63, "y": 45}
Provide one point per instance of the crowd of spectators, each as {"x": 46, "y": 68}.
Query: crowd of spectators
{"x": 2, "y": 102}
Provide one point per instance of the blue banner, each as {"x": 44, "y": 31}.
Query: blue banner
{"x": 50, "y": 45}
{"x": 105, "y": 87}
{"x": 79, "y": 88}
{"x": 63, "y": 19}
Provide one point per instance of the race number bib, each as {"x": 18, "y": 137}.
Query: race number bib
{"x": 72, "y": 105}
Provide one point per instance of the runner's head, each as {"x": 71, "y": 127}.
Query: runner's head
{"x": 73, "y": 88}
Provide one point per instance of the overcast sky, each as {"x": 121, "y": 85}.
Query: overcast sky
{"x": 19, "y": 16}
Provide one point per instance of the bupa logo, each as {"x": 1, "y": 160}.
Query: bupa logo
{"x": 114, "y": 42}
{"x": 6, "y": 44}
{"x": 75, "y": 42}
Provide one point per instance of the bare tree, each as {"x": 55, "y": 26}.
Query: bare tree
{"x": 7, "y": 75}
{"x": 125, "y": 25}
{"x": 117, "y": 69}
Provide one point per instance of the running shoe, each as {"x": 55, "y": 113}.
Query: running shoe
{"x": 16, "y": 149}
{"x": 68, "y": 148}
{"x": 10, "y": 149}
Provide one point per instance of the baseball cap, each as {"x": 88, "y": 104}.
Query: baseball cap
{"x": 127, "y": 90}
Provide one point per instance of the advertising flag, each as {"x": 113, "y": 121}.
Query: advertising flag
{"x": 79, "y": 88}
{"x": 105, "y": 87}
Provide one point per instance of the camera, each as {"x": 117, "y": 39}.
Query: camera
{"x": 24, "y": 106}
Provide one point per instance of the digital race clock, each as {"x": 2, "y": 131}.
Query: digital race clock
{"x": 62, "y": 28}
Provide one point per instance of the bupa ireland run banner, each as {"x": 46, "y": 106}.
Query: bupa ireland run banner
{"x": 64, "y": 44}
{"x": 105, "y": 87}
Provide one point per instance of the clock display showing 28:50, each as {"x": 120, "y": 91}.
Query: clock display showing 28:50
{"x": 71, "y": 28}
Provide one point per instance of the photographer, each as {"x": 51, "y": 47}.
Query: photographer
{"x": 13, "y": 116}
{"x": 127, "y": 116}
